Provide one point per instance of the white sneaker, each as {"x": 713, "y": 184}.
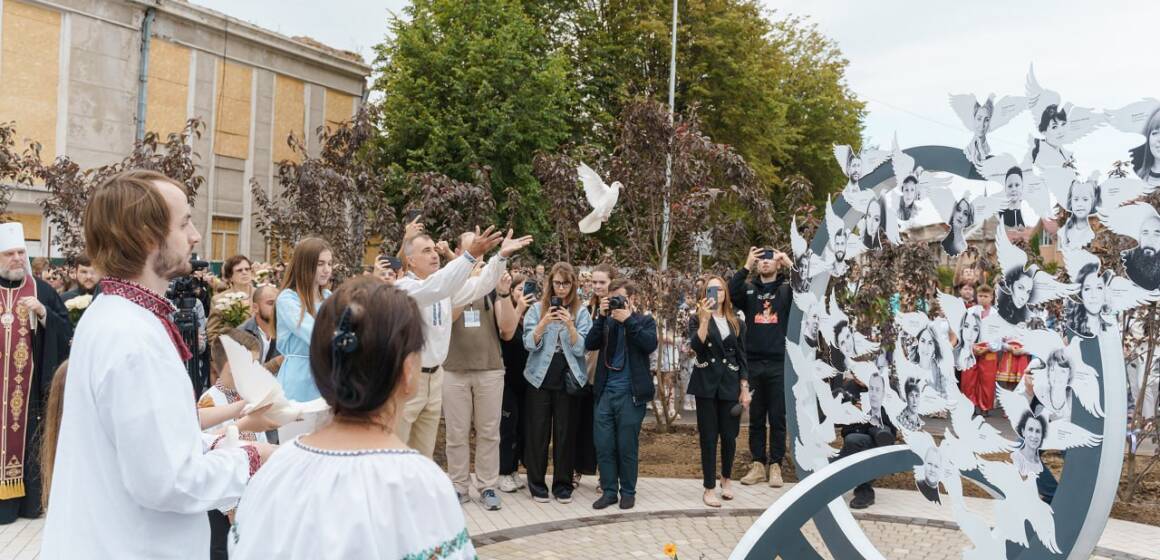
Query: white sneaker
{"x": 510, "y": 483}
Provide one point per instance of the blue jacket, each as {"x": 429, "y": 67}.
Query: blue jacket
{"x": 640, "y": 333}
{"x": 293, "y": 341}
{"x": 540, "y": 355}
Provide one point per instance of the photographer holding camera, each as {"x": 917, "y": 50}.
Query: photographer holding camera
{"x": 624, "y": 338}
{"x": 765, "y": 299}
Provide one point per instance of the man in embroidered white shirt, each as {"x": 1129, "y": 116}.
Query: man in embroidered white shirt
{"x": 133, "y": 475}
{"x": 438, "y": 291}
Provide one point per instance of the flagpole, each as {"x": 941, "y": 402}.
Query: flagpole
{"x": 669, "y": 160}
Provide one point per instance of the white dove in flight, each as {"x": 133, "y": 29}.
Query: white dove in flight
{"x": 600, "y": 196}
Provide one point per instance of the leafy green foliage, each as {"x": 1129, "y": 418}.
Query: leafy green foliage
{"x": 473, "y": 83}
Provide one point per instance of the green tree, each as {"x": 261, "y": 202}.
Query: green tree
{"x": 470, "y": 84}
{"x": 772, "y": 89}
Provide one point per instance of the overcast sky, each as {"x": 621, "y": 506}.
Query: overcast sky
{"x": 905, "y": 57}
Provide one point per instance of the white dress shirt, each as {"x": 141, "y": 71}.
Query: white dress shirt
{"x": 132, "y": 477}
{"x": 451, "y": 286}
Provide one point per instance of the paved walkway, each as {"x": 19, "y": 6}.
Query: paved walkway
{"x": 902, "y": 524}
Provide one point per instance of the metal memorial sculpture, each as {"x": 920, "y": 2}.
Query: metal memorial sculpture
{"x": 1077, "y": 401}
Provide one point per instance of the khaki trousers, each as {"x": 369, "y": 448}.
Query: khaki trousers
{"x": 473, "y": 396}
{"x": 419, "y": 423}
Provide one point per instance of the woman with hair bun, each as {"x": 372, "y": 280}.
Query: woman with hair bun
{"x": 353, "y": 489}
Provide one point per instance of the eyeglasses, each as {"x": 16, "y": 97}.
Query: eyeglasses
{"x": 564, "y": 284}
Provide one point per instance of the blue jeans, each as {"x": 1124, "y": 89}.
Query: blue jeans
{"x": 617, "y": 435}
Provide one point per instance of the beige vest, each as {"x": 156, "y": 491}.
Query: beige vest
{"x": 475, "y": 348}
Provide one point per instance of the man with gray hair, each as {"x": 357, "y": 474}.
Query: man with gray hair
{"x": 438, "y": 291}
{"x": 34, "y": 337}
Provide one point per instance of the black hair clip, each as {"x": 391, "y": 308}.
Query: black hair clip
{"x": 345, "y": 339}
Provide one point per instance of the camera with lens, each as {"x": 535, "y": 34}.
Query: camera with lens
{"x": 617, "y": 302}
{"x": 185, "y": 292}
{"x": 556, "y": 302}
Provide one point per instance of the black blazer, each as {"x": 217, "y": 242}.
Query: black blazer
{"x": 720, "y": 362}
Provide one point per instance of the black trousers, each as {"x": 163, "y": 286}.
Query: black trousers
{"x": 585, "y": 440}
{"x": 852, "y": 443}
{"x": 512, "y": 424}
{"x": 767, "y": 381}
{"x": 714, "y": 422}
{"x": 550, "y": 415}
{"x": 219, "y": 533}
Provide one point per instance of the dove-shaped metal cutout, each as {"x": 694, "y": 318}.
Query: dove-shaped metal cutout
{"x": 1061, "y": 374}
{"x": 806, "y": 264}
{"x": 1022, "y": 286}
{"x": 843, "y": 245}
{"x": 983, "y": 117}
{"x": 1019, "y": 506}
{"x": 855, "y": 166}
{"x": 1058, "y": 124}
{"x": 1102, "y": 295}
{"x": 913, "y": 184}
{"x": 1140, "y": 222}
{"x": 1019, "y": 184}
{"x": 1141, "y": 117}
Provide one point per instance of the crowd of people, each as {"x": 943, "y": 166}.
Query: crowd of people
{"x": 551, "y": 365}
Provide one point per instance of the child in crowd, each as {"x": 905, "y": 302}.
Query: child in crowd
{"x": 985, "y": 298}
{"x": 220, "y": 407}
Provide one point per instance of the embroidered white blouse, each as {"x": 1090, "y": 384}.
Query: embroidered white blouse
{"x": 308, "y": 503}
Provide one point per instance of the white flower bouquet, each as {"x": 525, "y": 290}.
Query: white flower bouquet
{"x": 77, "y": 306}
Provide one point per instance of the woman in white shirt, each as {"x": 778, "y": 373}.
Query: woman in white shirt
{"x": 353, "y": 489}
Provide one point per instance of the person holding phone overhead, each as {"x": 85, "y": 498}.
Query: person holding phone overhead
{"x": 765, "y": 300}
{"x": 720, "y": 383}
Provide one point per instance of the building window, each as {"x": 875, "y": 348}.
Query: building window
{"x": 224, "y": 237}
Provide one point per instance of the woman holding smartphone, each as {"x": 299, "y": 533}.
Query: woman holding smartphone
{"x": 554, "y": 331}
{"x": 720, "y": 383}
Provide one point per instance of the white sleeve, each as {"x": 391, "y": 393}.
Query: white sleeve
{"x": 151, "y": 422}
{"x": 481, "y": 285}
{"x": 438, "y": 286}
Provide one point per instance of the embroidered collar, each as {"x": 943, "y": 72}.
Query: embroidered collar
{"x": 160, "y": 307}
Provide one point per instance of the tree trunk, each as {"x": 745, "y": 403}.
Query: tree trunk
{"x": 1133, "y": 479}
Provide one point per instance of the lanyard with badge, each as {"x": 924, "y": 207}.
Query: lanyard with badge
{"x": 471, "y": 317}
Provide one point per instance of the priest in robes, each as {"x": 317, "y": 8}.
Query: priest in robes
{"x": 34, "y": 335}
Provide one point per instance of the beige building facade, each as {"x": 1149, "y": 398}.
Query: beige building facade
{"x": 85, "y": 78}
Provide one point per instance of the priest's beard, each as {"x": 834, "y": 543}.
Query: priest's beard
{"x": 13, "y": 275}
{"x": 170, "y": 264}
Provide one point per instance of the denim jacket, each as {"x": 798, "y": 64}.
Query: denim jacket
{"x": 540, "y": 355}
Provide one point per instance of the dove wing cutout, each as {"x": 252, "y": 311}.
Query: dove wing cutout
{"x": 797, "y": 243}
{"x": 1020, "y": 504}
{"x": 954, "y": 308}
{"x": 1004, "y": 110}
{"x": 259, "y": 387}
{"x": 1081, "y": 121}
{"x": 1126, "y": 220}
{"x": 985, "y": 545}
{"x": 1133, "y": 117}
{"x": 600, "y": 196}
{"x": 1060, "y": 434}
{"x": 974, "y": 431}
{"x": 1118, "y": 191}
{"x": 1009, "y": 255}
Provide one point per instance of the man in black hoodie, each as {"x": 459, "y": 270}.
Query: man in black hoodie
{"x": 765, "y": 299}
